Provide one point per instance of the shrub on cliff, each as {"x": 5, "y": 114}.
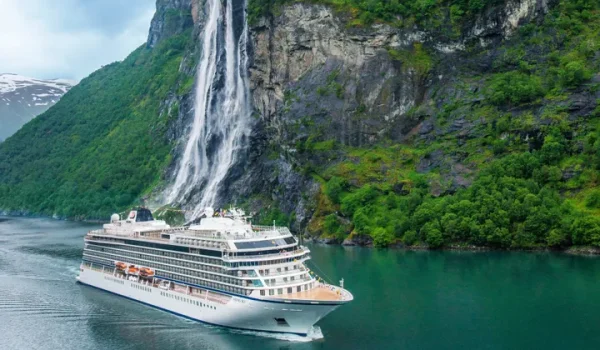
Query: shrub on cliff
{"x": 514, "y": 88}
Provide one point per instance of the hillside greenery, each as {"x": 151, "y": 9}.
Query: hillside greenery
{"x": 102, "y": 146}
{"x": 524, "y": 194}
{"x": 395, "y": 12}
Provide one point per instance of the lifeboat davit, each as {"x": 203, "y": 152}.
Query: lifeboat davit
{"x": 121, "y": 265}
{"x": 146, "y": 272}
{"x": 132, "y": 270}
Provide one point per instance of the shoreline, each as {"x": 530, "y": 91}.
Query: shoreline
{"x": 572, "y": 250}
{"x": 366, "y": 243}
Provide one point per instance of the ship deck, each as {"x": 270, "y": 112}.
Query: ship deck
{"x": 317, "y": 294}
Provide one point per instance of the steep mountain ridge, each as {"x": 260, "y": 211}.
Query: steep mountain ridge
{"x": 22, "y": 98}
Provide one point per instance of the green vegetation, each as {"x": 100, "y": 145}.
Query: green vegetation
{"x": 102, "y": 146}
{"x": 514, "y": 202}
{"x": 417, "y": 59}
{"x": 514, "y": 88}
{"x": 365, "y": 12}
{"x": 525, "y": 194}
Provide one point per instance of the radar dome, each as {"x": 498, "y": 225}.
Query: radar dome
{"x": 114, "y": 218}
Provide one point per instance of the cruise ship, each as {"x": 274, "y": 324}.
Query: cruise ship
{"x": 223, "y": 271}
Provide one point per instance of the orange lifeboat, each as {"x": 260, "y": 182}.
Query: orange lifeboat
{"x": 146, "y": 272}
{"x": 121, "y": 265}
{"x": 132, "y": 270}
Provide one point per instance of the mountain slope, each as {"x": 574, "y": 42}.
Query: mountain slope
{"x": 102, "y": 145}
{"x": 23, "y": 98}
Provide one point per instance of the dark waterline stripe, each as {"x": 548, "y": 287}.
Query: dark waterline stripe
{"x": 191, "y": 318}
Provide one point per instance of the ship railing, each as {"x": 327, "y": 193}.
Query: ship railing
{"x": 279, "y": 230}
{"x": 293, "y": 253}
{"x": 344, "y": 294}
{"x": 284, "y": 273}
{"x": 288, "y": 282}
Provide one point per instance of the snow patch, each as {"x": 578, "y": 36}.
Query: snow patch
{"x": 10, "y": 82}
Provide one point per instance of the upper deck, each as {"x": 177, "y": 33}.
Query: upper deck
{"x": 322, "y": 293}
{"x": 233, "y": 233}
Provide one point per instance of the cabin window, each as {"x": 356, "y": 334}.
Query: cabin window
{"x": 280, "y": 291}
{"x": 290, "y": 290}
{"x": 299, "y": 289}
{"x": 262, "y": 292}
{"x": 271, "y": 291}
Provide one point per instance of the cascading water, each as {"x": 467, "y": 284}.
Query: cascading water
{"x": 222, "y": 110}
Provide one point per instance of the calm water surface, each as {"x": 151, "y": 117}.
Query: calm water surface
{"x": 403, "y": 300}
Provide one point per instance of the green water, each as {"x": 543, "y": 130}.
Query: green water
{"x": 403, "y": 300}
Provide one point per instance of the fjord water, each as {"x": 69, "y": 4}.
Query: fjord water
{"x": 403, "y": 300}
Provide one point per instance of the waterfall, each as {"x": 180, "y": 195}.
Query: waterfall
{"x": 222, "y": 110}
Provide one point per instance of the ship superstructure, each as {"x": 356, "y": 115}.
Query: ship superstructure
{"x": 223, "y": 271}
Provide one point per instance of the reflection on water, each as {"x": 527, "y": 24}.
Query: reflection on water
{"x": 403, "y": 300}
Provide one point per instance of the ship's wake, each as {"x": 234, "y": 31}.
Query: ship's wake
{"x": 313, "y": 334}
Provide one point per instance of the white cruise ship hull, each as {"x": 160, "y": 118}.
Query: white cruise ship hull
{"x": 239, "y": 312}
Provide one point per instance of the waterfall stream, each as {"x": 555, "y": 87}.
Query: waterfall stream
{"x": 222, "y": 110}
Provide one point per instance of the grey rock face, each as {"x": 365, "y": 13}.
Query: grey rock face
{"x": 171, "y": 17}
{"x": 314, "y": 78}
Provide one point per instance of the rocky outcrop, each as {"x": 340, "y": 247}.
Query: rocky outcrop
{"x": 357, "y": 83}
{"x": 171, "y": 17}
{"x": 315, "y": 78}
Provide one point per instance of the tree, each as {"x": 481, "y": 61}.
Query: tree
{"x": 381, "y": 237}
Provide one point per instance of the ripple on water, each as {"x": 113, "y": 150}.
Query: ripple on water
{"x": 313, "y": 334}
{"x": 62, "y": 251}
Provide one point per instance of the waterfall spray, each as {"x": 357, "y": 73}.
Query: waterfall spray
{"x": 221, "y": 112}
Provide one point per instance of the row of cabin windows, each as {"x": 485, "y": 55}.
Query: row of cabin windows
{"x": 165, "y": 249}
{"x": 288, "y": 290}
{"x": 203, "y": 260}
{"x": 187, "y": 258}
{"x": 112, "y": 279}
{"x": 267, "y": 272}
{"x": 263, "y": 263}
{"x": 113, "y": 254}
{"x": 157, "y": 259}
{"x": 206, "y": 284}
{"x": 145, "y": 289}
{"x": 187, "y": 300}
{"x": 108, "y": 258}
{"x": 162, "y": 246}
